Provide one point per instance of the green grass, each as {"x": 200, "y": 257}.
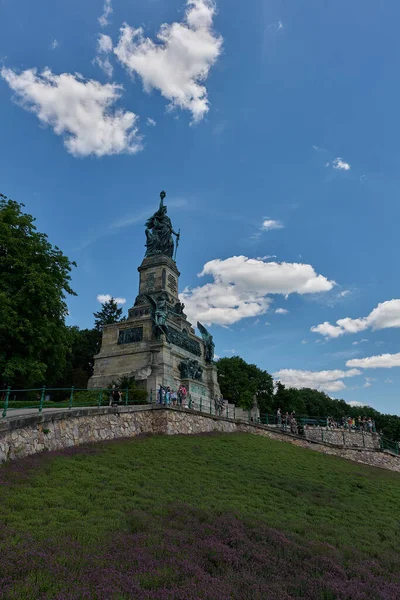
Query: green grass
{"x": 320, "y": 497}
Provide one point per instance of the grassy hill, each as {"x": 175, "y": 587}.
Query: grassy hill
{"x": 215, "y": 517}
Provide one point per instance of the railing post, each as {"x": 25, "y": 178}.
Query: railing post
{"x": 234, "y": 412}
{"x": 266, "y": 419}
{"x": 227, "y": 411}
{"x": 322, "y": 435}
{"x": 151, "y": 396}
{"x": 8, "y": 392}
{"x": 344, "y": 441}
{"x": 42, "y": 398}
{"x": 363, "y": 439}
{"x": 126, "y": 396}
{"x": 100, "y": 400}
{"x": 71, "y": 398}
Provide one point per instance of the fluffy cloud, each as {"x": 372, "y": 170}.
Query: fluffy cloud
{"x": 77, "y": 109}
{"x": 340, "y": 165}
{"x": 328, "y": 381}
{"x": 281, "y": 311}
{"x": 104, "y": 20}
{"x": 104, "y": 47}
{"x": 106, "y": 298}
{"x": 242, "y": 286}
{"x": 180, "y": 62}
{"x": 356, "y": 403}
{"x": 269, "y": 224}
{"x": 360, "y": 342}
{"x": 385, "y": 315}
{"x": 383, "y": 361}
{"x": 151, "y": 122}
{"x": 54, "y": 44}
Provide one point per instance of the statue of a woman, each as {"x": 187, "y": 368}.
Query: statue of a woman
{"x": 159, "y": 232}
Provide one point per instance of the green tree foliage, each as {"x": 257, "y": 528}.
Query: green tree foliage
{"x": 109, "y": 313}
{"x": 85, "y": 345}
{"x": 34, "y": 282}
{"x": 240, "y": 382}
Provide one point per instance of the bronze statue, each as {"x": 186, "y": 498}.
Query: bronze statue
{"x": 159, "y": 313}
{"x": 159, "y": 231}
{"x": 209, "y": 345}
{"x": 191, "y": 369}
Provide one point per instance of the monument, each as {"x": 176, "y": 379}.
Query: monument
{"x": 156, "y": 344}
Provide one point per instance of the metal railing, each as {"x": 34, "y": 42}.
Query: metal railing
{"x": 13, "y": 401}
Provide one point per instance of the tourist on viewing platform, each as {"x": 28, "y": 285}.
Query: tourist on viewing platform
{"x": 279, "y": 417}
{"x": 174, "y": 397}
{"x": 182, "y": 394}
{"x": 286, "y": 421}
{"x": 115, "y": 396}
{"x": 161, "y": 395}
{"x": 167, "y": 397}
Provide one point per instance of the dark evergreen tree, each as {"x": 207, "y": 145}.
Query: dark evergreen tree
{"x": 109, "y": 313}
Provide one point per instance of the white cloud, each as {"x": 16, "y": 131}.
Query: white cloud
{"x": 180, "y": 62}
{"x": 304, "y": 341}
{"x": 77, "y": 109}
{"x": 328, "y": 381}
{"x": 383, "y": 361}
{"x": 54, "y": 44}
{"x": 355, "y": 403}
{"x": 388, "y": 380}
{"x": 386, "y": 315}
{"x": 281, "y": 311}
{"x": 327, "y": 330}
{"x": 106, "y": 298}
{"x": 104, "y": 43}
{"x": 242, "y": 286}
{"x": 360, "y": 342}
{"x": 344, "y": 293}
{"x": 368, "y": 382}
{"x": 104, "y": 20}
{"x": 269, "y": 224}
{"x": 104, "y": 47}
{"x": 340, "y": 165}
{"x": 151, "y": 122}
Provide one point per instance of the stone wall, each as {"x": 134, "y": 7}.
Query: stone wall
{"x": 31, "y": 434}
{"x": 340, "y": 437}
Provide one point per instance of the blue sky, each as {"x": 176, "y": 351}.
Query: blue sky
{"x": 273, "y": 127}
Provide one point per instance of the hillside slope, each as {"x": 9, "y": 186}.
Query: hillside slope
{"x": 216, "y": 517}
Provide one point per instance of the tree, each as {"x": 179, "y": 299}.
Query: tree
{"x": 240, "y": 382}
{"x": 34, "y": 282}
{"x": 109, "y": 313}
{"x": 86, "y": 343}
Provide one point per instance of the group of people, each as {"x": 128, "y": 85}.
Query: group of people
{"x": 167, "y": 396}
{"x": 365, "y": 424}
{"x": 287, "y": 421}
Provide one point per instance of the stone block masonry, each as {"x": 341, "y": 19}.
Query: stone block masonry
{"x": 23, "y": 436}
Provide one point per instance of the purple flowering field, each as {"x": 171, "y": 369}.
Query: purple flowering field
{"x": 214, "y": 517}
